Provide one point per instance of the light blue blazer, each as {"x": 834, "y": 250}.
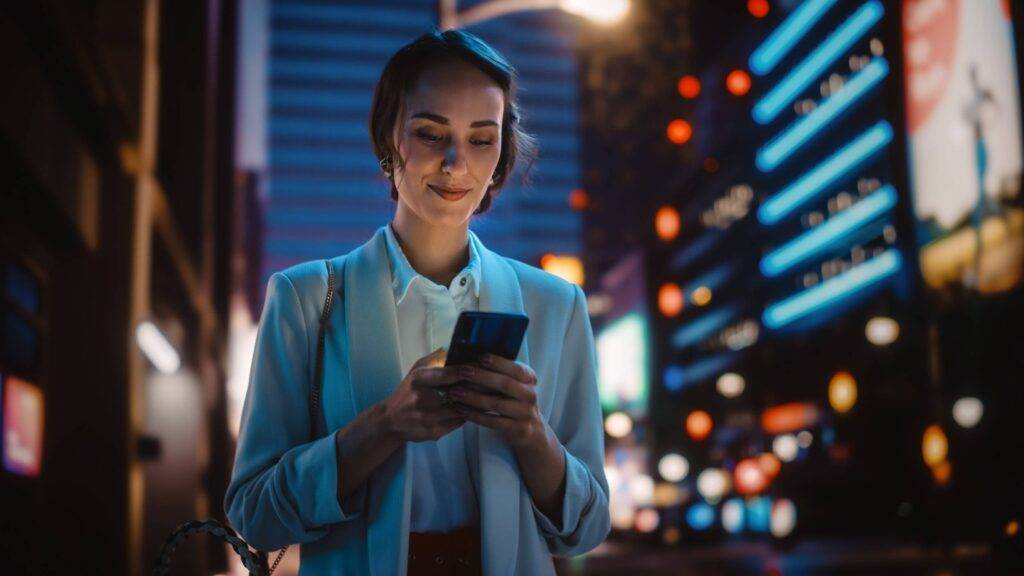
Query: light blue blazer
{"x": 284, "y": 487}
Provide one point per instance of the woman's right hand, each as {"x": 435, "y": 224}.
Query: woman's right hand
{"x": 414, "y": 411}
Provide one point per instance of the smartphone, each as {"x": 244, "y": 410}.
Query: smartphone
{"x": 477, "y": 333}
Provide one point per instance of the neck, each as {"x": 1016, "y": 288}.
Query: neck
{"x": 438, "y": 253}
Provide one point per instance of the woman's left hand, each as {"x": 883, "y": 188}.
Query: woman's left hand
{"x": 511, "y": 392}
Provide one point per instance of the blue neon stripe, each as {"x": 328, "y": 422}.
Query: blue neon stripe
{"x": 703, "y": 326}
{"x": 821, "y": 176}
{"x": 827, "y": 235}
{"x": 832, "y": 290}
{"x": 787, "y": 35}
{"x": 837, "y": 44}
{"x": 779, "y": 149}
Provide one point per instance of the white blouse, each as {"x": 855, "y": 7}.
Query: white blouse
{"x": 443, "y": 496}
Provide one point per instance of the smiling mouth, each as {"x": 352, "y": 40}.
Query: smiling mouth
{"x": 451, "y": 194}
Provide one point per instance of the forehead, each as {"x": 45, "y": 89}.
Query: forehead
{"x": 457, "y": 91}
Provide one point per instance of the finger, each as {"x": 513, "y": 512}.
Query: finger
{"x": 434, "y": 359}
{"x": 435, "y": 377}
{"x": 499, "y": 423}
{"x": 491, "y": 403}
{"x": 498, "y": 382}
{"x": 517, "y": 370}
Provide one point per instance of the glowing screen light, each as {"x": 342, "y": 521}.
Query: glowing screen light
{"x": 730, "y": 384}
{"x": 783, "y": 518}
{"x": 934, "y": 445}
{"x": 673, "y": 467}
{"x": 967, "y": 411}
{"x": 732, "y": 515}
{"x": 785, "y": 447}
{"x": 22, "y": 427}
{"x": 881, "y": 331}
{"x": 623, "y": 377}
{"x": 842, "y": 392}
{"x": 699, "y": 424}
{"x": 781, "y": 41}
{"x": 618, "y": 425}
{"x": 700, "y": 516}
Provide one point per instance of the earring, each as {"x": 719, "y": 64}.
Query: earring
{"x": 385, "y": 165}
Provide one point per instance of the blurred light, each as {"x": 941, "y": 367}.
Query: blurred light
{"x": 618, "y": 425}
{"x": 699, "y": 425}
{"x": 789, "y": 417}
{"x": 804, "y": 439}
{"x": 1012, "y": 528}
{"x": 785, "y": 447}
{"x": 667, "y": 495}
{"x": 967, "y": 411}
{"x": 670, "y": 299}
{"x": 783, "y": 519}
{"x": 679, "y": 377}
{"x": 155, "y": 346}
{"x": 737, "y": 83}
{"x": 787, "y": 35}
{"x": 641, "y": 489}
{"x": 812, "y": 67}
{"x": 842, "y": 392}
{"x": 732, "y": 515}
{"x": 598, "y": 11}
{"x": 647, "y": 520}
{"x": 796, "y": 135}
{"x": 882, "y": 331}
{"x": 819, "y": 178}
{"x": 623, "y": 378}
{"x": 713, "y": 483}
{"x": 566, "y": 267}
{"x": 711, "y": 165}
{"x": 833, "y": 290}
{"x": 701, "y": 296}
{"x": 934, "y": 446}
{"x": 827, "y": 236}
{"x": 730, "y": 384}
{"x": 759, "y": 512}
{"x": 679, "y": 131}
{"x": 941, "y": 472}
{"x": 579, "y": 200}
{"x": 622, "y": 514}
{"x": 666, "y": 223}
{"x": 598, "y": 304}
{"x": 758, "y": 8}
{"x": 700, "y": 516}
{"x": 689, "y": 87}
{"x": 670, "y": 535}
{"x": 704, "y": 326}
{"x": 614, "y": 477}
{"x": 673, "y": 467}
{"x": 23, "y": 414}
{"x": 770, "y": 464}
{"x": 749, "y": 478}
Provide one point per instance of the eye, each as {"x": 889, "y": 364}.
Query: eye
{"x": 481, "y": 143}
{"x": 428, "y": 137}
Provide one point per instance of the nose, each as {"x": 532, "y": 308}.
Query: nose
{"x": 454, "y": 162}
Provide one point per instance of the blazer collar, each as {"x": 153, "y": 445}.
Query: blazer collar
{"x": 375, "y": 370}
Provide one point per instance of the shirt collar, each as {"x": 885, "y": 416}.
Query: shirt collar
{"x": 402, "y": 273}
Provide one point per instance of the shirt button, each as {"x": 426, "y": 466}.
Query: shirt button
{"x": 463, "y": 281}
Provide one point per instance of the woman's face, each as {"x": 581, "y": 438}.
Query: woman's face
{"x": 449, "y": 135}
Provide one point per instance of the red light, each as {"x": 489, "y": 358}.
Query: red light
{"x": 711, "y": 165}
{"x": 749, "y": 477}
{"x": 679, "y": 131}
{"x": 699, "y": 425}
{"x": 689, "y": 87}
{"x": 579, "y": 200}
{"x": 758, "y": 8}
{"x": 789, "y": 417}
{"x": 666, "y": 223}
{"x": 738, "y": 82}
{"x": 670, "y": 299}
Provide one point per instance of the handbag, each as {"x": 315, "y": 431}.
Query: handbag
{"x": 256, "y": 561}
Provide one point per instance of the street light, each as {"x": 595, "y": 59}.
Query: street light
{"x": 598, "y": 11}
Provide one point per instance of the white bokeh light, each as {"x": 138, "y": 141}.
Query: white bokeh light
{"x": 713, "y": 483}
{"x": 785, "y": 447}
{"x": 731, "y": 384}
{"x": 618, "y": 425}
{"x": 673, "y": 467}
{"x": 641, "y": 489}
{"x": 783, "y": 519}
{"x": 882, "y": 331}
{"x": 968, "y": 411}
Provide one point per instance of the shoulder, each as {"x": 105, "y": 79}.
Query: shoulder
{"x": 543, "y": 288}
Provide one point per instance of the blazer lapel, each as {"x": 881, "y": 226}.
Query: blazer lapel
{"x": 498, "y": 471}
{"x": 372, "y": 325}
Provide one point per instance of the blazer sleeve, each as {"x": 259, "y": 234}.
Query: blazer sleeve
{"x": 577, "y": 422}
{"x": 284, "y": 487}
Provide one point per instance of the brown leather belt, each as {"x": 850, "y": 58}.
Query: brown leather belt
{"x": 455, "y": 553}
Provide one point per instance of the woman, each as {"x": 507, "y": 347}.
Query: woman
{"x": 408, "y": 480}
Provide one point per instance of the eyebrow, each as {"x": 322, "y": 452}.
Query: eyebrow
{"x": 442, "y": 120}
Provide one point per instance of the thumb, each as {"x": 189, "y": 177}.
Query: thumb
{"x": 434, "y": 359}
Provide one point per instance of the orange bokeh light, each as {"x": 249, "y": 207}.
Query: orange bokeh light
{"x": 789, "y": 417}
{"x": 770, "y": 463}
{"x": 749, "y": 478}
{"x": 579, "y": 200}
{"x": 666, "y": 223}
{"x": 738, "y": 82}
{"x": 758, "y": 8}
{"x": 942, "y": 472}
{"x": 699, "y": 425}
{"x": 689, "y": 87}
{"x": 711, "y": 165}
{"x": 670, "y": 299}
{"x": 679, "y": 131}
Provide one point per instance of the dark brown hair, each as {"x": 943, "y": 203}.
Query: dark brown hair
{"x": 431, "y": 49}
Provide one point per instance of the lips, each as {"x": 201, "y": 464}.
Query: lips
{"x": 450, "y": 194}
